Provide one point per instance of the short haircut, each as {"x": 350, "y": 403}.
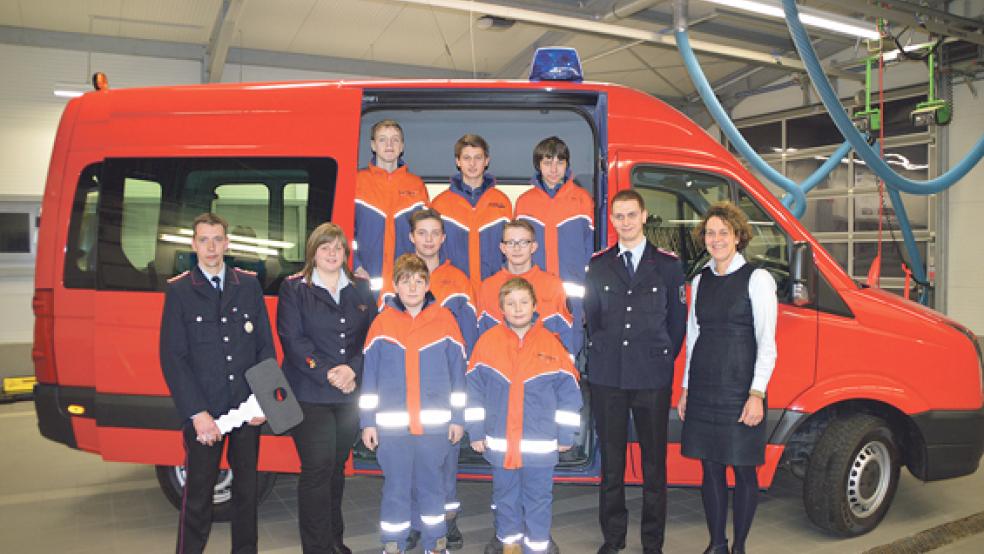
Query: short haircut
{"x": 323, "y": 234}
{"x": 409, "y": 265}
{"x": 209, "y": 218}
{"x": 520, "y": 224}
{"x": 550, "y": 147}
{"x": 733, "y": 217}
{"x": 475, "y": 141}
{"x": 385, "y": 123}
{"x": 514, "y": 284}
{"x": 426, "y": 213}
{"x": 629, "y": 194}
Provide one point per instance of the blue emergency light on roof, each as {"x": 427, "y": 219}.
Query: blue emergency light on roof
{"x": 556, "y": 64}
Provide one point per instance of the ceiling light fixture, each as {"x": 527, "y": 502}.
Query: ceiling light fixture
{"x": 810, "y": 17}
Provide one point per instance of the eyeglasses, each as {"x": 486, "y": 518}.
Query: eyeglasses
{"x": 514, "y": 243}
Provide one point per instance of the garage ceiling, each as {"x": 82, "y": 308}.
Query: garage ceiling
{"x": 393, "y": 38}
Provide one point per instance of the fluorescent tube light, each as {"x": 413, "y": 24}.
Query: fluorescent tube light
{"x": 809, "y": 17}
{"x": 71, "y": 90}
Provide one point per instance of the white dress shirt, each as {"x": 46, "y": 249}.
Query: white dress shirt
{"x": 636, "y": 250}
{"x": 765, "y": 305}
{"x": 343, "y": 281}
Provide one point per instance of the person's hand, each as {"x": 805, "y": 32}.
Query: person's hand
{"x": 361, "y": 273}
{"x": 563, "y": 448}
{"x": 478, "y": 446}
{"x": 455, "y": 432}
{"x": 682, "y": 404}
{"x": 259, "y": 420}
{"x": 370, "y": 438}
{"x": 205, "y": 428}
{"x": 342, "y": 377}
{"x": 753, "y": 412}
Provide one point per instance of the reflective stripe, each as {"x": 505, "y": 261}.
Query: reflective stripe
{"x": 392, "y": 419}
{"x": 564, "y": 417}
{"x": 574, "y": 290}
{"x": 539, "y": 546}
{"x": 368, "y": 401}
{"x": 474, "y": 414}
{"x": 525, "y": 445}
{"x": 511, "y": 539}
{"x": 376, "y": 283}
{"x": 434, "y": 417}
{"x": 452, "y": 506}
{"x": 355, "y": 245}
{"x": 459, "y": 399}
{"x": 390, "y": 527}
{"x": 431, "y": 520}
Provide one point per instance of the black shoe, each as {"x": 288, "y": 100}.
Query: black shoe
{"x": 494, "y": 546}
{"x": 412, "y": 539}
{"x": 737, "y": 549}
{"x": 455, "y": 540}
{"x": 341, "y": 549}
{"x": 552, "y": 548}
{"x": 718, "y": 549}
{"x": 608, "y": 549}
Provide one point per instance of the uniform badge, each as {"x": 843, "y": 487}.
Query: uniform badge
{"x": 248, "y": 326}
{"x": 363, "y": 307}
{"x": 683, "y": 294}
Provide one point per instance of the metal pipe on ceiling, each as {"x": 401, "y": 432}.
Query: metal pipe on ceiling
{"x": 622, "y": 31}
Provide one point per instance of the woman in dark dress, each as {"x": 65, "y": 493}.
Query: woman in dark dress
{"x": 731, "y": 351}
{"x": 323, "y": 316}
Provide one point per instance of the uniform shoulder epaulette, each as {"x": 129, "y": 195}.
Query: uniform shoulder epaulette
{"x": 603, "y": 252}
{"x": 179, "y": 276}
{"x": 295, "y": 276}
{"x": 669, "y": 253}
{"x": 245, "y": 271}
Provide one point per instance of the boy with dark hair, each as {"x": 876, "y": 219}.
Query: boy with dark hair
{"x": 523, "y": 408}
{"x": 561, "y": 213}
{"x": 412, "y": 403}
{"x": 474, "y": 212}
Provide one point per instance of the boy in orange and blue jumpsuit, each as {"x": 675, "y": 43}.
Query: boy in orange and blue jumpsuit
{"x": 411, "y": 405}
{"x": 561, "y": 213}
{"x": 518, "y": 246}
{"x": 474, "y": 212}
{"x": 523, "y": 408}
{"x": 386, "y": 193}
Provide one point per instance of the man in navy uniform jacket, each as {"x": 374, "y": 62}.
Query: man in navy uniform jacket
{"x": 636, "y": 313}
{"x": 214, "y": 328}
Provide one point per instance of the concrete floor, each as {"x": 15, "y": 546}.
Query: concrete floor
{"x": 54, "y": 499}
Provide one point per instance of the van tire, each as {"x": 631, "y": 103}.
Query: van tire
{"x": 171, "y": 480}
{"x": 852, "y": 475}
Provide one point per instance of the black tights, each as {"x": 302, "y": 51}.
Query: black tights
{"x": 714, "y": 493}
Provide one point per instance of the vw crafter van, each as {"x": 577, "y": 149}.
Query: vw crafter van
{"x": 866, "y": 382}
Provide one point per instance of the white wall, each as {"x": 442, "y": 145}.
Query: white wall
{"x": 29, "y": 114}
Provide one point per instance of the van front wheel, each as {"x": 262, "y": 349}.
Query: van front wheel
{"x": 852, "y": 475}
{"x": 172, "y": 480}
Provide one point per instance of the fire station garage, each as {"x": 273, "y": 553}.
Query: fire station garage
{"x": 834, "y": 147}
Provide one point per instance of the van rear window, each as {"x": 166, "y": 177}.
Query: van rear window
{"x": 146, "y": 206}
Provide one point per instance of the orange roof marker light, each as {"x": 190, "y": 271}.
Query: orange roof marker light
{"x": 556, "y": 64}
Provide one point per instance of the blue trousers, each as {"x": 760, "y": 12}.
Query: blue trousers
{"x": 523, "y": 498}
{"x": 412, "y": 468}
{"x": 451, "y": 502}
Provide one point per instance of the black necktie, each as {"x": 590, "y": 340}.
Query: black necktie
{"x": 217, "y": 283}
{"x": 628, "y": 263}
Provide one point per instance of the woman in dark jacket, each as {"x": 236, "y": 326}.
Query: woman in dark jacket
{"x": 322, "y": 319}
{"x": 731, "y": 352}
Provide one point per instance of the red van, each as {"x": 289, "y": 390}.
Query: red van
{"x": 866, "y": 382}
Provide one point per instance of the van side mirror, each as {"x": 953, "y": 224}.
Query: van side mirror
{"x": 803, "y": 274}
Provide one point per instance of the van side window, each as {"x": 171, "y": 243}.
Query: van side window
{"x": 148, "y": 204}
{"x": 141, "y": 204}
{"x": 676, "y": 200}
{"x": 769, "y": 248}
{"x": 80, "y": 249}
